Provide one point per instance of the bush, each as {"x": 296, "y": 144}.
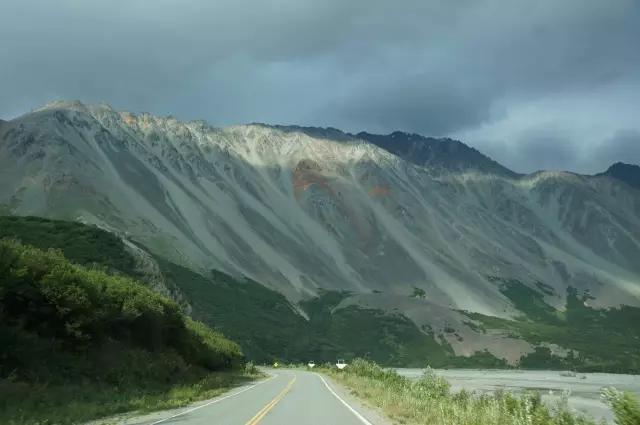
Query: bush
{"x": 372, "y": 370}
{"x": 432, "y": 385}
{"x": 625, "y": 406}
{"x": 49, "y": 306}
{"x": 250, "y": 369}
{"x": 429, "y": 401}
{"x": 80, "y": 243}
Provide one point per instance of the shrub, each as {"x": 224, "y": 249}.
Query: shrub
{"x": 429, "y": 400}
{"x": 250, "y": 368}
{"x": 50, "y": 307}
{"x": 372, "y": 370}
{"x": 432, "y": 385}
{"x": 80, "y": 243}
{"x": 625, "y": 406}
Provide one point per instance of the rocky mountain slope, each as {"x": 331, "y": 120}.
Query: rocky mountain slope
{"x": 304, "y": 209}
{"x": 628, "y": 173}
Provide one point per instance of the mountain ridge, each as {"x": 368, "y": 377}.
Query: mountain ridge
{"x": 628, "y": 173}
{"x": 381, "y": 140}
{"x": 328, "y": 212}
{"x": 303, "y": 214}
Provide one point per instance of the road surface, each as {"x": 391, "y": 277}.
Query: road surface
{"x": 287, "y": 397}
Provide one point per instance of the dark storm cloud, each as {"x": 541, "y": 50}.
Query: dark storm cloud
{"x": 537, "y": 149}
{"x": 435, "y": 67}
{"x": 624, "y": 146}
{"x": 411, "y": 105}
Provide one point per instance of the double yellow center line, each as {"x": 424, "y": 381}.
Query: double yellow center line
{"x": 261, "y": 414}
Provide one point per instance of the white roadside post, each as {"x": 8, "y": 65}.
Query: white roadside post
{"x": 341, "y": 364}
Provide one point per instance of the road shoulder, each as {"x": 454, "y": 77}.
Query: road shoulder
{"x": 372, "y": 413}
{"x": 157, "y": 417}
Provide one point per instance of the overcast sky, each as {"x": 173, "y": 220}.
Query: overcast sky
{"x": 546, "y": 84}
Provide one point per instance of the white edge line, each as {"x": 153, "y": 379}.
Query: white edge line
{"x": 213, "y": 401}
{"x": 354, "y": 411}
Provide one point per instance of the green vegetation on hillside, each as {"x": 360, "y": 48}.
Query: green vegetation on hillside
{"x": 429, "y": 400}
{"x": 418, "y": 293}
{"x": 599, "y": 340}
{"x": 81, "y": 244}
{"x": 262, "y": 321}
{"x": 269, "y": 328}
{"x": 528, "y": 301}
{"x": 361, "y": 332}
{"x": 77, "y": 343}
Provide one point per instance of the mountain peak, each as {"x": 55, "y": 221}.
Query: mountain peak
{"x": 74, "y": 105}
{"x": 622, "y": 166}
{"x": 63, "y": 104}
{"x": 628, "y": 173}
{"x": 437, "y": 153}
{"x": 330, "y": 133}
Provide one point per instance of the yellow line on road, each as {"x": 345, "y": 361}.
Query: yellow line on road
{"x": 261, "y": 414}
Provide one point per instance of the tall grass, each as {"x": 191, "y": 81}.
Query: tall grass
{"x": 430, "y": 401}
{"x": 74, "y": 402}
{"x": 625, "y": 406}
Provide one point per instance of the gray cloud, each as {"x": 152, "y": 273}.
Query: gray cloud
{"x": 469, "y": 68}
{"x": 624, "y": 146}
{"x": 537, "y": 149}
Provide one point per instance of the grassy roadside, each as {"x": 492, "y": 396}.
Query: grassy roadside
{"x": 73, "y": 403}
{"x": 429, "y": 401}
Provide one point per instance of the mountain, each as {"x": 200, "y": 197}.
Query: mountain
{"x": 309, "y": 211}
{"x": 628, "y": 173}
{"x": 444, "y": 154}
{"x": 268, "y": 327}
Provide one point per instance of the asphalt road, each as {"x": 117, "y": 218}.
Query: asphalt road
{"x": 288, "y": 397}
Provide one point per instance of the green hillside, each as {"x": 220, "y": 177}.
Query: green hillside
{"x": 82, "y": 244}
{"x": 261, "y": 320}
{"x": 78, "y": 343}
{"x": 598, "y": 340}
{"x": 268, "y": 327}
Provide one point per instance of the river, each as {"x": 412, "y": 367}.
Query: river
{"x": 584, "y": 388}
